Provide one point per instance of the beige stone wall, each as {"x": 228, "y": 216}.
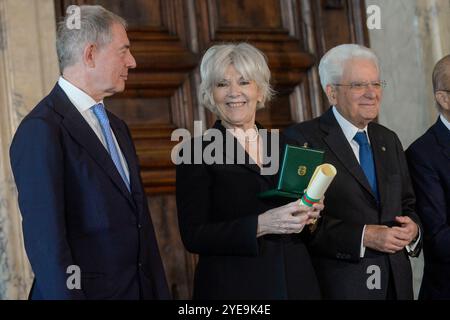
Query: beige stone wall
{"x": 414, "y": 36}
{"x": 28, "y": 70}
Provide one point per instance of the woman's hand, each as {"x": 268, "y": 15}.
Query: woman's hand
{"x": 316, "y": 212}
{"x": 290, "y": 218}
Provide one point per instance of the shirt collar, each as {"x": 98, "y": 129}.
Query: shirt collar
{"x": 347, "y": 127}
{"x": 445, "y": 122}
{"x": 80, "y": 99}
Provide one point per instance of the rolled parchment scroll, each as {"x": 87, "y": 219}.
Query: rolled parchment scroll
{"x": 318, "y": 185}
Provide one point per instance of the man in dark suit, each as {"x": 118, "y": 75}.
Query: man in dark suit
{"x": 429, "y": 162}
{"x": 86, "y": 223}
{"x": 369, "y": 227}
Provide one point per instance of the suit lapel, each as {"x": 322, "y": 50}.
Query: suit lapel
{"x": 80, "y": 130}
{"x": 338, "y": 144}
{"x": 380, "y": 158}
{"x": 442, "y": 135}
{"x": 238, "y": 149}
{"x": 446, "y": 152}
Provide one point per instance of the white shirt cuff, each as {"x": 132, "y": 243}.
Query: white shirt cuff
{"x": 362, "y": 251}
{"x": 412, "y": 247}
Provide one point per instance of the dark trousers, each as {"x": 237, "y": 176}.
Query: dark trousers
{"x": 391, "y": 293}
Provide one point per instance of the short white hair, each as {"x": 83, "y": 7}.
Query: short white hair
{"x": 250, "y": 62}
{"x": 331, "y": 67}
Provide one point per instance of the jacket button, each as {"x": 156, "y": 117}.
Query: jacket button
{"x": 139, "y": 226}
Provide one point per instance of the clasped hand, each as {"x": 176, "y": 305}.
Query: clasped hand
{"x": 390, "y": 240}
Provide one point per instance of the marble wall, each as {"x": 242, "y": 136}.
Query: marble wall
{"x": 28, "y": 70}
{"x": 414, "y": 36}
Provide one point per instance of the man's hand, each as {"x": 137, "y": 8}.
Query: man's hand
{"x": 385, "y": 239}
{"x": 408, "y": 227}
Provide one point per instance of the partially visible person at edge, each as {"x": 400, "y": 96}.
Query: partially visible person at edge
{"x": 429, "y": 164}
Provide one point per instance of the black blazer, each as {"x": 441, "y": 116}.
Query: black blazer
{"x": 218, "y": 208}
{"x": 77, "y": 210}
{"x": 350, "y": 204}
{"x": 429, "y": 162}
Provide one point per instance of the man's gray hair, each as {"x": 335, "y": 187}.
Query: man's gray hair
{"x": 95, "y": 27}
{"x": 331, "y": 67}
{"x": 250, "y": 62}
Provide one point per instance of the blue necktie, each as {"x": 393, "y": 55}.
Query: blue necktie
{"x": 366, "y": 160}
{"x": 100, "y": 113}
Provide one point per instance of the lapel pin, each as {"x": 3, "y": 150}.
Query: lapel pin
{"x": 383, "y": 149}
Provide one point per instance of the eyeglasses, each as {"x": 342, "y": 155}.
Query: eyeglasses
{"x": 448, "y": 91}
{"x": 363, "y": 86}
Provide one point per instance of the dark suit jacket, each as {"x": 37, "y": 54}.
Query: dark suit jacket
{"x": 429, "y": 161}
{"x": 77, "y": 210}
{"x": 350, "y": 204}
{"x": 218, "y": 208}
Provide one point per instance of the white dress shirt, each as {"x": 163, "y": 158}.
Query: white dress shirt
{"x": 445, "y": 122}
{"x": 350, "y": 131}
{"x": 84, "y": 103}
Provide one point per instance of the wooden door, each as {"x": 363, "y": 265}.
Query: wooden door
{"x": 168, "y": 38}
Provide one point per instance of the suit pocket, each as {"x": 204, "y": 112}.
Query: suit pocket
{"x": 91, "y": 275}
{"x": 96, "y": 285}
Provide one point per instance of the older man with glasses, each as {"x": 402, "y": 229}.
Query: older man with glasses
{"x": 361, "y": 246}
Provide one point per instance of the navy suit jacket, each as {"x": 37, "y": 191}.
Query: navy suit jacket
{"x": 77, "y": 210}
{"x": 429, "y": 162}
